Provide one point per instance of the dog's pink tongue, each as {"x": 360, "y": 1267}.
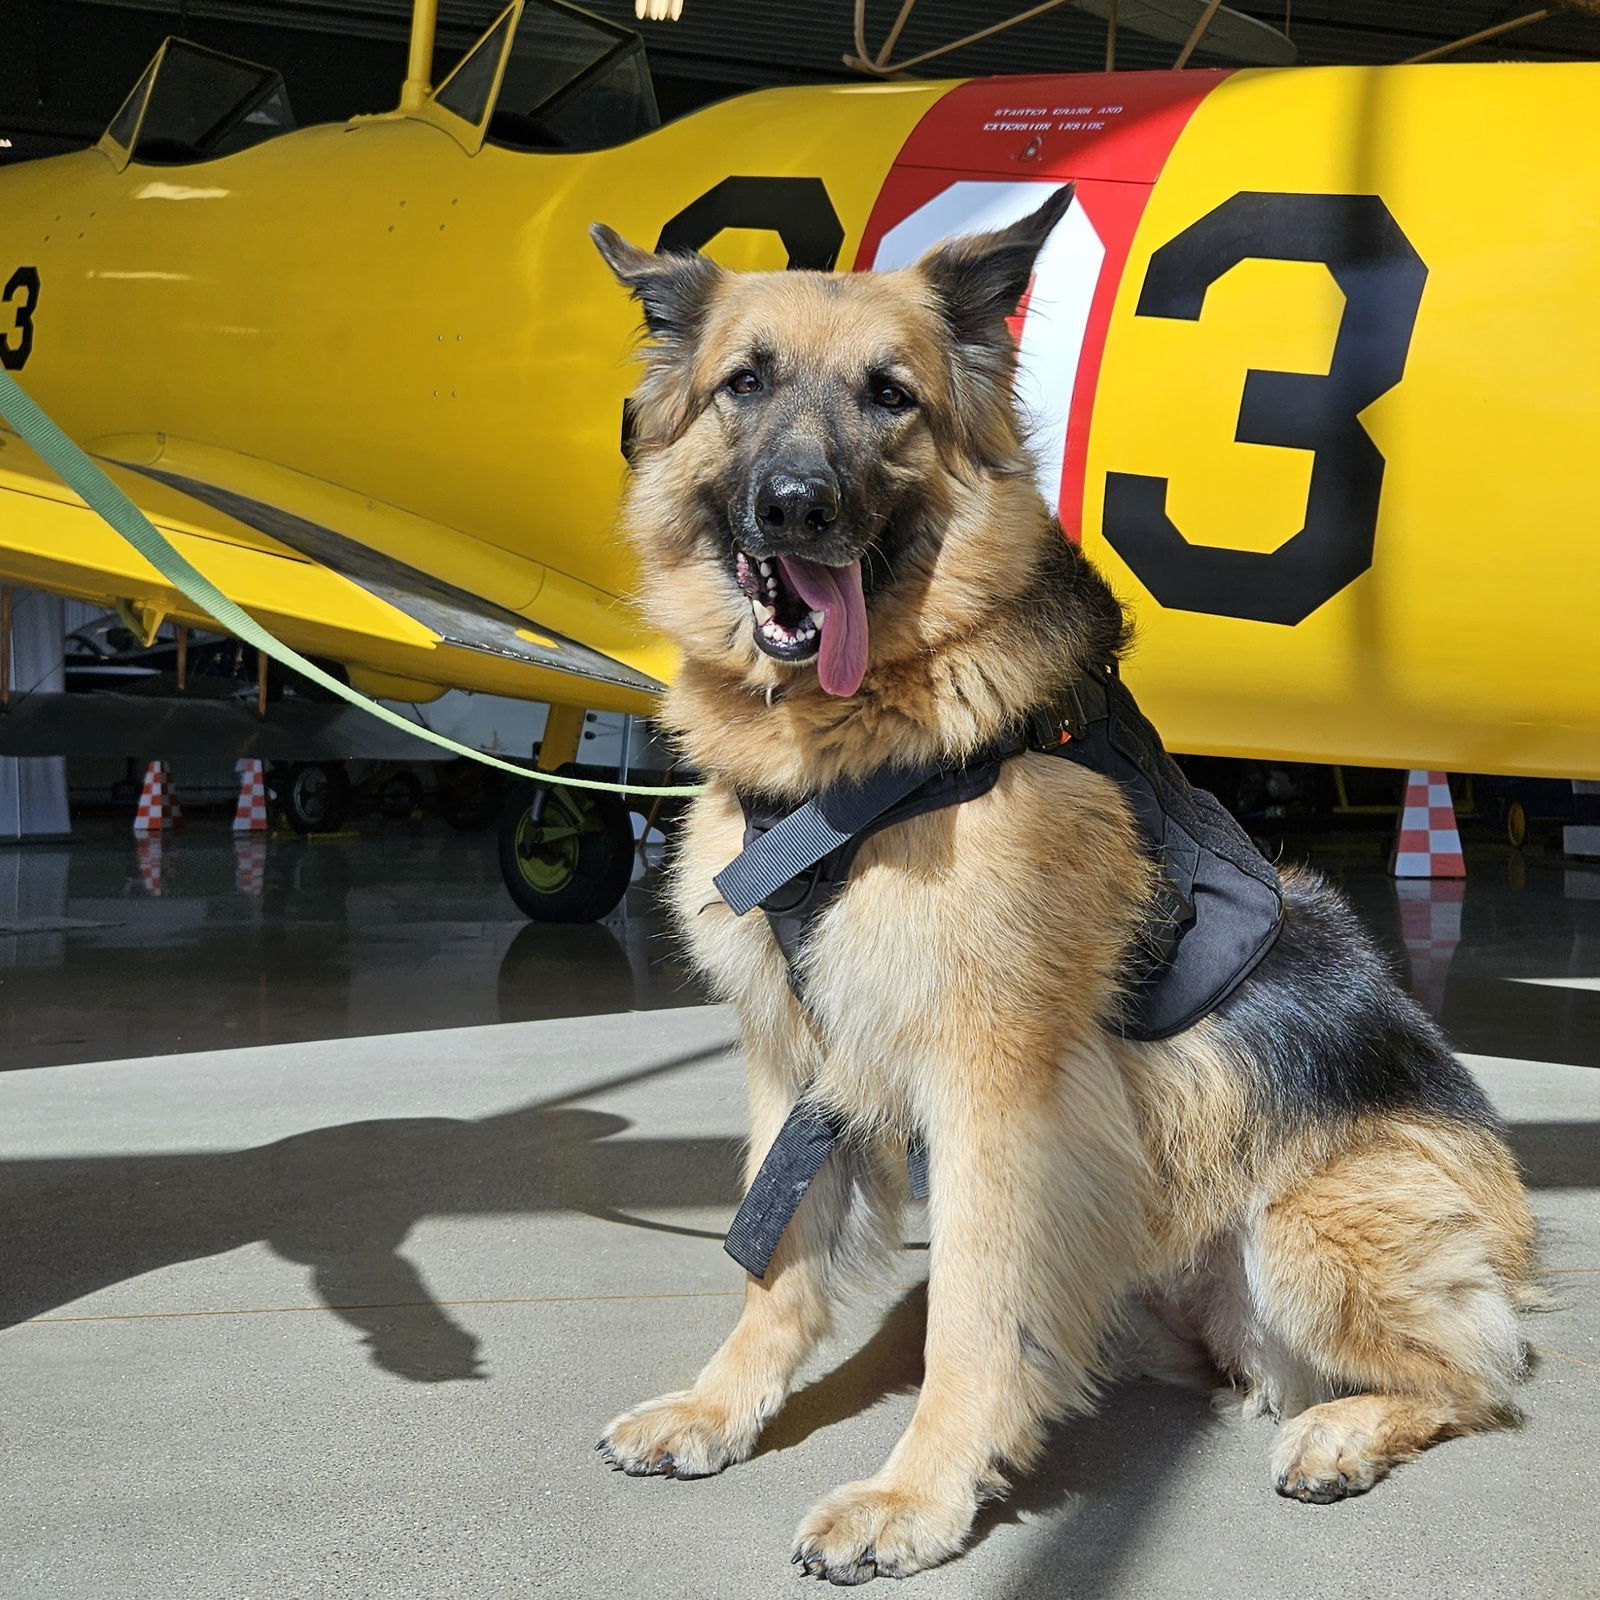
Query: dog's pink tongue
{"x": 836, "y": 593}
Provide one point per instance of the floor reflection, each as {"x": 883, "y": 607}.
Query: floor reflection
{"x": 1467, "y": 947}
{"x": 112, "y": 948}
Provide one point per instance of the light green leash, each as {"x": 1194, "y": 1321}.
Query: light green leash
{"x": 80, "y": 474}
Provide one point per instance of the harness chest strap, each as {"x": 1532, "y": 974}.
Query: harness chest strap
{"x": 804, "y": 1142}
{"x": 793, "y": 866}
{"x": 822, "y": 825}
{"x": 1213, "y": 880}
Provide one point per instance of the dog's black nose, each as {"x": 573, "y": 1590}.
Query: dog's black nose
{"x": 798, "y": 502}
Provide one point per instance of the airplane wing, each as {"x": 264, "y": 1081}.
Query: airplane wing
{"x": 402, "y": 633}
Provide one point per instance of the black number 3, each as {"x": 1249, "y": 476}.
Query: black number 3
{"x": 798, "y": 210}
{"x": 24, "y": 281}
{"x": 1382, "y": 277}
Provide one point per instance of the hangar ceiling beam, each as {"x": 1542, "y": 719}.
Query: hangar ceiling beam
{"x": 1480, "y": 37}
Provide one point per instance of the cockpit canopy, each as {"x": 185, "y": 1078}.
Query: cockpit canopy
{"x": 550, "y": 76}
{"x": 194, "y": 104}
{"x": 547, "y": 76}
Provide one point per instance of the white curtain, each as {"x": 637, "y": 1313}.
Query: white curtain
{"x": 33, "y": 789}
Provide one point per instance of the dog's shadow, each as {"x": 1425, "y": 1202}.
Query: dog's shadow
{"x": 341, "y": 1201}
{"x": 1099, "y": 1474}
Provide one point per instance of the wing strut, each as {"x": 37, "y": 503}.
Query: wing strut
{"x": 419, "y": 63}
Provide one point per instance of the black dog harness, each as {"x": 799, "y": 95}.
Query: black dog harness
{"x": 1219, "y": 906}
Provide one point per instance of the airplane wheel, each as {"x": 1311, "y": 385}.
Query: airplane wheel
{"x": 400, "y": 795}
{"x": 1516, "y": 824}
{"x": 566, "y": 856}
{"x": 470, "y": 797}
{"x": 315, "y": 797}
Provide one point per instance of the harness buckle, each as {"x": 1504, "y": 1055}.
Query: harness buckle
{"x": 1046, "y": 729}
{"x": 1053, "y": 726}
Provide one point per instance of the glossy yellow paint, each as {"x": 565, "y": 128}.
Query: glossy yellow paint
{"x": 50, "y": 540}
{"x": 375, "y": 331}
{"x": 1469, "y": 644}
{"x": 563, "y": 731}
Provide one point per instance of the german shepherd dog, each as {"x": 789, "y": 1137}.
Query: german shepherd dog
{"x": 1304, "y": 1195}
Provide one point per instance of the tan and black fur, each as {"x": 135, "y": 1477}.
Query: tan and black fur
{"x": 1304, "y": 1194}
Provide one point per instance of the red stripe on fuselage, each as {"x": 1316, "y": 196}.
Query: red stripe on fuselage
{"x": 1111, "y": 133}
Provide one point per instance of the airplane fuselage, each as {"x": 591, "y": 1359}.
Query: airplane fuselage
{"x": 1312, "y": 368}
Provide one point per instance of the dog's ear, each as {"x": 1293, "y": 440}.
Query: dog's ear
{"x": 977, "y": 281}
{"x": 980, "y": 278}
{"x": 672, "y": 288}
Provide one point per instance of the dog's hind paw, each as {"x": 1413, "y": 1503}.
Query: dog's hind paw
{"x": 677, "y": 1436}
{"x": 864, "y": 1531}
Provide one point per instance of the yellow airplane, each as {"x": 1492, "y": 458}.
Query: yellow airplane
{"x": 1312, "y": 367}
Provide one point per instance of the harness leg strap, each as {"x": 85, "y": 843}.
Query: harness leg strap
{"x": 917, "y": 1167}
{"x": 804, "y": 1142}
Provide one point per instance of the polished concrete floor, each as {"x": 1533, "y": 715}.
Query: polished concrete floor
{"x": 325, "y": 1259}
{"x": 110, "y": 949}
{"x": 343, "y": 1319}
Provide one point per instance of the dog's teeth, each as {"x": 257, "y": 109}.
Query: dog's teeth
{"x": 818, "y": 618}
{"x": 766, "y": 569}
{"x": 764, "y": 614}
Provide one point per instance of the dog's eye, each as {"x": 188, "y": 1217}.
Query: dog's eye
{"x": 891, "y": 397}
{"x": 744, "y": 382}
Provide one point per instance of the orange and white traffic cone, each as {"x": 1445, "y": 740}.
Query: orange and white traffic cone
{"x": 1428, "y": 843}
{"x": 147, "y": 850}
{"x": 250, "y": 864}
{"x": 250, "y": 815}
{"x": 1430, "y": 925}
{"x": 158, "y": 810}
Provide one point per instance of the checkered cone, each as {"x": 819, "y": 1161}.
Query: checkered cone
{"x": 250, "y": 815}
{"x": 1430, "y": 925}
{"x": 158, "y": 810}
{"x": 250, "y": 865}
{"x": 1428, "y": 844}
{"x": 148, "y": 852}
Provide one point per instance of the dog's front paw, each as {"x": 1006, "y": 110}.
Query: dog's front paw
{"x": 678, "y": 1436}
{"x": 1317, "y": 1461}
{"x": 871, "y": 1530}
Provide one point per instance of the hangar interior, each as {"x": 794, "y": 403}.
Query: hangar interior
{"x": 369, "y": 1138}
{"x": 69, "y": 63}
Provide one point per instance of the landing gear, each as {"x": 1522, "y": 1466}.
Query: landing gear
{"x": 470, "y": 796}
{"x": 1516, "y": 824}
{"x": 566, "y": 854}
{"x": 313, "y": 796}
{"x": 400, "y": 795}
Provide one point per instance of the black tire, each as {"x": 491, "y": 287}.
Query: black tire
{"x": 1517, "y": 824}
{"x": 399, "y": 795}
{"x": 469, "y": 796}
{"x": 573, "y": 862}
{"x": 315, "y": 797}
